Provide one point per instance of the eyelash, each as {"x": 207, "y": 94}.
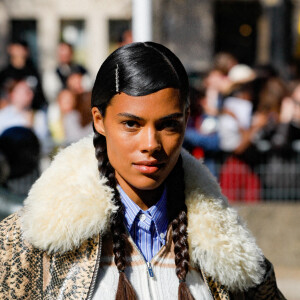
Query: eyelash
{"x": 130, "y": 122}
{"x": 168, "y": 125}
{"x": 171, "y": 125}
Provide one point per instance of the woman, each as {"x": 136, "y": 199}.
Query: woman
{"x": 154, "y": 225}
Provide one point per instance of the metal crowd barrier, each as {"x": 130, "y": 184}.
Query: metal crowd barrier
{"x": 266, "y": 176}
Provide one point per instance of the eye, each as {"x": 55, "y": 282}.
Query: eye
{"x": 130, "y": 124}
{"x": 170, "y": 125}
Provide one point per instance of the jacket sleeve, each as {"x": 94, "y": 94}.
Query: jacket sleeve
{"x": 267, "y": 290}
{"x": 21, "y": 268}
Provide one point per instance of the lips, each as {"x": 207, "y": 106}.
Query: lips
{"x": 148, "y": 167}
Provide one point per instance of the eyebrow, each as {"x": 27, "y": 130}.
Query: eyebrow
{"x": 134, "y": 117}
{"x": 131, "y": 116}
{"x": 172, "y": 116}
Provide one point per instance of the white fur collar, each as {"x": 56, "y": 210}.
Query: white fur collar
{"x": 70, "y": 203}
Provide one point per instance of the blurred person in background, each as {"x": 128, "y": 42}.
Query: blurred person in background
{"x": 237, "y": 107}
{"x": 77, "y": 237}
{"x": 76, "y": 83}
{"x": 18, "y": 111}
{"x": 69, "y": 113}
{"x": 20, "y": 67}
{"x": 267, "y": 116}
{"x": 237, "y": 178}
{"x": 201, "y": 136}
{"x": 264, "y": 73}
{"x": 277, "y": 140}
{"x": 78, "y": 122}
{"x": 9, "y": 114}
{"x": 287, "y": 134}
{"x": 64, "y": 104}
{"x": 18, "y": 97}
{"x": 224, "y": 61}
{"x": 66, "y": 65}
{"x": 217, "y": 85}
{"x": 68, "y": 74}
{"x": 217, "y": 82}
{"x": 19, "y": 167}
{"x": 70, "y": 119}
{"x": 125, "y": 38}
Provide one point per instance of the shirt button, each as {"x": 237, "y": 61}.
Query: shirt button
{"x": 142, "y": 217}
{"x": 162, "y": 235}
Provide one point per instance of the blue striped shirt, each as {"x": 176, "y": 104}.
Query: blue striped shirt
{"x": 148, "y": 228}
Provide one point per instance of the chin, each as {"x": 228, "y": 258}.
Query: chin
{"x": 147, "y": 183}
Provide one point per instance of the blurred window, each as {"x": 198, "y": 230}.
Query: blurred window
{"x": 26, "y": 30}
{"x": 236, "y": 28}
{"x": 119, "y": 31}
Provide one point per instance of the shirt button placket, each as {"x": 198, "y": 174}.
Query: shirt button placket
{"x": 142, "y": 217}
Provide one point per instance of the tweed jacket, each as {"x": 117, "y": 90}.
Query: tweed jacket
{"x": 51, "y": 249}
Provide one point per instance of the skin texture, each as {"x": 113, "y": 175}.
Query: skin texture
{"x": 144, "y": 135}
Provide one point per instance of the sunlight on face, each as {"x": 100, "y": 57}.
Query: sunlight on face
{"x": 144, "y": 136}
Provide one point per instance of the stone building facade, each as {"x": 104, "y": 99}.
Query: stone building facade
{"x": 256, "y": 31}
{"x": 188, "y": 27}
{"x": 49, "y": 16}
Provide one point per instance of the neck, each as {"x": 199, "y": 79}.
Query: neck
{"x": 144, "y": 198}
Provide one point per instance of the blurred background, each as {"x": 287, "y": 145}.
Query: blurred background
{"x": 243, "y": 61}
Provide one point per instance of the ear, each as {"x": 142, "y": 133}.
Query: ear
{"x": 98, "y": 121}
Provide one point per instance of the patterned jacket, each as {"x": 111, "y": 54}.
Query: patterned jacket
{"x": 51, "y": 249}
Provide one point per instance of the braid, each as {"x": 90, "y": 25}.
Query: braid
{"x": 125, "y": 290}
{"x": 178, "y": 218}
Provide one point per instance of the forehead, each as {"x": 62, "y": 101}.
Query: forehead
{"x": 64, "y": 47}
{"x": 17, "y": 46}
{"x": 157, "y": 104}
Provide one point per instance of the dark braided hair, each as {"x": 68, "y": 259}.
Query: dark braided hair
{"x": 178, "y": 218}
{"x": 140, "y": 69}
{"x": 125, "y": 290}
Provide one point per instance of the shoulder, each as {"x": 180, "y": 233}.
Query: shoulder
{"x": 215, "y": 229}
{"x": 20, "y": 263}
{"x": 70, "y": 202}
{"x": 9, "y": 228}
{"x": 12, "y": 240}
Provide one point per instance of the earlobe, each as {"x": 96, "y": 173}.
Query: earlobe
{"x": 98, "y": 121}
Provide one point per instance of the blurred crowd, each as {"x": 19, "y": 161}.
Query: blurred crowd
{"x": 39, "y": 115}
{"x": 244, "y": 122}
{"x": 245, "y": 125}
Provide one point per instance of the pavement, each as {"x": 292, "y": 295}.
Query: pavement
{"x": 276, "y": 227}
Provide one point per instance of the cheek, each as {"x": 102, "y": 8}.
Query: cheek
{"x": 172, "y": 144}
{"x": 117, "y": 141}
{"x": 119, "y": 148}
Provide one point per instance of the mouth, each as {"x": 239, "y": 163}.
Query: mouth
{"x": 148, "y": 167}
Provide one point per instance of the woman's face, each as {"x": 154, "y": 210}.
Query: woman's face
{"x": 144, "y": 136}
{"x": 21, "y": 95}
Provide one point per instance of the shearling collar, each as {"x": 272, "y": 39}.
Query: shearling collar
{"x": 69, "y": 203}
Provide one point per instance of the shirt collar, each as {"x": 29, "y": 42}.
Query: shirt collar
{"x": 131, "y": 210}
{"x": 157, "y": 212}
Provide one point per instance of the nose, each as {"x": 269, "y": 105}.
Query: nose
{"x": 150, "y": 141}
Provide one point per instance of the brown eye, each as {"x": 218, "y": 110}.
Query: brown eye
{"x": 130, "y": 124}
{"x": 170, "y": 125}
